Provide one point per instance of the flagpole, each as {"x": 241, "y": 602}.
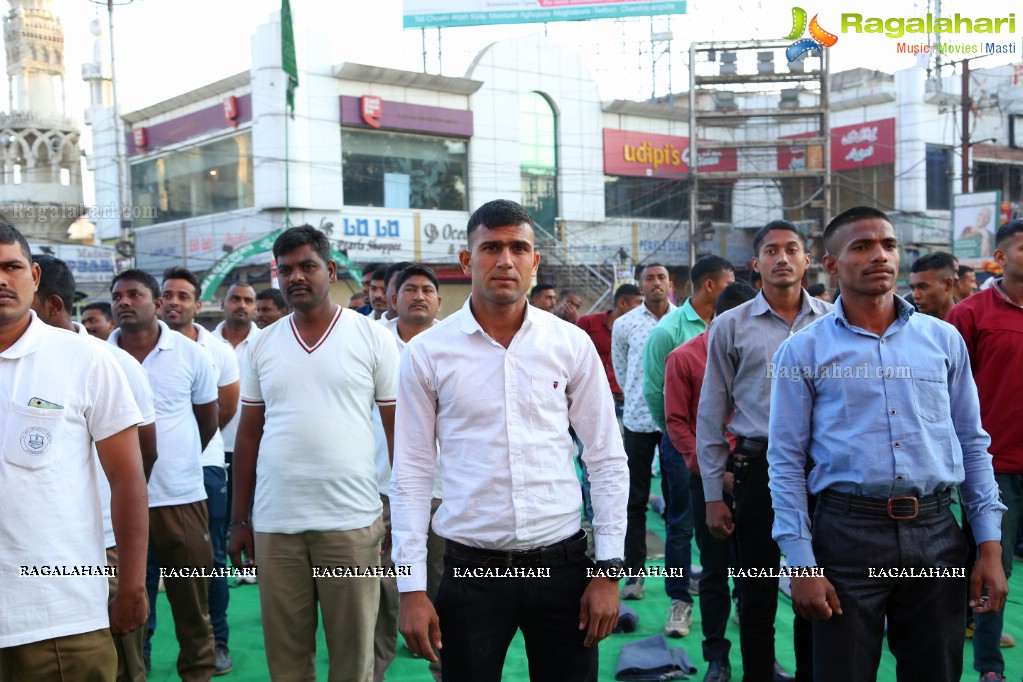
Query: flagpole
{"x": 287, "y": 176}
{"x": 290, "y": 67}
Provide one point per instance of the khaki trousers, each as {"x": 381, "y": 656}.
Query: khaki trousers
{"x": 289, "y": 594}
{"x": 87, "y": 657}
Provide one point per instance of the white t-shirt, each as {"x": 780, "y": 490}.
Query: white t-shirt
{"x": 59, "y": 394}
{"x": 241, "y": 353}
{"x": 316, "y": 468}
{"x": 181, "y": 375}
{"x": 143, "y": 395}
{"x": 225, "y": 371}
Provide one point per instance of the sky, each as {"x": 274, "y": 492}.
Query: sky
{"x": 167, "y": 47}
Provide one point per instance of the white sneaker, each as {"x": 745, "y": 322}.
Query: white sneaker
{"x": 633, "y": 588}
{"x": 680, "y": 619}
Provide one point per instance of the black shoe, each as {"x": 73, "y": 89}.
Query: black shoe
{"x": 780, "y": 675}
{"x": 718, "y": 671}
{"x": 224, "y": 662}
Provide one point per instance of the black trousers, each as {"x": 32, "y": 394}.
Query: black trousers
{"x": 639, "y": 448}
{"x": 716, "y": 556}
{"x": 925, "y": 615}
{"x": 758, "y": 601}
{"x": 479, "y": 617}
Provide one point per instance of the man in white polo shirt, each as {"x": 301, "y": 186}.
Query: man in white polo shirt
{"x": 180, "y": 293}
{"x": 416, "y": 301}
{"x": 182, "y": 378}
{"x": 52, "y": 304}
{"x": 305, "y": 452}
{"x": 239, "y": 329}
{"x": 60, "y": 396}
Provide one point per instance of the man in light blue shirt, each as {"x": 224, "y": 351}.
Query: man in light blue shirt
{"x": 883, "y": 401}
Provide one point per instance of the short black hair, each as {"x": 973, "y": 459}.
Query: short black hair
{"x": 417, "y": 270}
{"x": 357, "y": 295}
{"x": 734, "y": 295}
{"x": 275, "y": 295}
{"x": 755, "y": 276}
{"x": 853, "y": 215}
{"x": 964, "y": 270}
{"x": 185, "y": 274}
{"x": 498, "y": 213}
{"x": 295, "y": 237}
{"x": 55, "y": 279}
{"x": 937, "y": 260}
{"x": 644, "y": 268}
{"x": 1006, "y": 231}
{"x": 816, "y": 289}
{"x": 761, "y": 235}
{"x": 394, "y": 269}
{"x": 102, "y": 306}
{"x": 626, "y": 290}
{"x": 565, "y": 293}
{"x": 538, "y": 288}
{"x": 379, "y": 274}
{"x": 140, "y": 276}
{"x": 9, "y": 234}
{"x": 707, "y": 267}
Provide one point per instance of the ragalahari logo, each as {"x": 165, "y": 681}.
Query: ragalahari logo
{"x": 819, "y": 38}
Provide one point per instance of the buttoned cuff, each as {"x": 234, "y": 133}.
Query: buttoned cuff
{"x": 713, "y": 489}
{"x": 607, "y": 546}
{"x": 987, "y": 527}
{"x": 799, "y": 553}
{"x": 415, "y": 581}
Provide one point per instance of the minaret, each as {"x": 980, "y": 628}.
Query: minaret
{"x": 101, "y": 117}
{"x": 40, "y": 161}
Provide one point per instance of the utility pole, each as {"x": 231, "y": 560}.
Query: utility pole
{"x": 966, "y": 105}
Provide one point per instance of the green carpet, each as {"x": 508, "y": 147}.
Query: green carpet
{"x": 246, "y": 639}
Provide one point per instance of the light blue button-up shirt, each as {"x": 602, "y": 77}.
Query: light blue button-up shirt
{"x": 881, "y": 416}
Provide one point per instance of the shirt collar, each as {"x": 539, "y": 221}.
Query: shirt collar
{"x": 218, "y": 331}
{"x": 903, "y": 311}
{"x": 760, "y": 305}
{"x": 997, "y": 286}
{"x": 29, "y": 341}
{"x": 534, "y": 316}
{"x": 79, "y": 329}
{"x": 689, "y": 312}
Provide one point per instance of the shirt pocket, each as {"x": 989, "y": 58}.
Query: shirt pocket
{"x": 548, "y": 409}
{"x": 32, "y": 436}
{"x": 930, "y": 395}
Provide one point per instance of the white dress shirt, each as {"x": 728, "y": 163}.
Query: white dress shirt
{"x": 501, "y": 417}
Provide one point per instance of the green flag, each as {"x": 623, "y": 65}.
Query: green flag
{"x": 288, "y": 62}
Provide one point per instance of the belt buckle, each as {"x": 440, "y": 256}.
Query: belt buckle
{"x": 916, "y": 508}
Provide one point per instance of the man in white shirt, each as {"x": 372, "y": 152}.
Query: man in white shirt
{"x": 416, "y": 300}
{"x": 498, "y": 384}
{"x": 239, "y": 329}
{"x": 182, "y": 378}
{"x": 61, "y": 395}
{"x": 642, "y": 435}
{"x": 180, "y": 293}
{"x": 304, "y": 454}
{"x": 53, "y": 304}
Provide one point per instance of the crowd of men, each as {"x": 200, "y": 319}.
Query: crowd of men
{"x": 392, "y": 472}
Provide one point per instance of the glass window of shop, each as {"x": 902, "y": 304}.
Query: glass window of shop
{"x": 404, "y": 170}
{"x": 664, "y": 198}
{"x": 939, "y": 178}
{"x": 208, "y": 178}
{"x": 538, "y": 158}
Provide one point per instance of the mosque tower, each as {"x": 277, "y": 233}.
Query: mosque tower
{"x": 40, "y": 160}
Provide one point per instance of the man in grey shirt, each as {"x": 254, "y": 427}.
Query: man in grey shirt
{"x": 737, "y": 387}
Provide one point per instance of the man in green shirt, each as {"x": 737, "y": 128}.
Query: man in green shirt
{"x": 710, "y": 275}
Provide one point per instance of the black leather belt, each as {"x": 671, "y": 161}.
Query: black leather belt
{"x": 618, "y": 397}
{"x": 753, "y": 447}
{"x": 525, "y": 558}
{"x": 902, "y": 508}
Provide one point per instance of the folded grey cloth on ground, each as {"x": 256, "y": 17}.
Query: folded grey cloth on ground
{"x": 652, "y": 659}
{"x": 628, "y": 620}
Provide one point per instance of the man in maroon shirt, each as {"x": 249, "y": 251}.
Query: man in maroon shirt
{"x": 991, "y": 322}
{"x": 598, "y": 327}
{"x": 683, "y": 379}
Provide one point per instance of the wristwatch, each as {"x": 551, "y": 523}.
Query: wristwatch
{"x": 612, "y": 569}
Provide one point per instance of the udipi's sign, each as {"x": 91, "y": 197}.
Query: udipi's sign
{"x": 632, "y": 153}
